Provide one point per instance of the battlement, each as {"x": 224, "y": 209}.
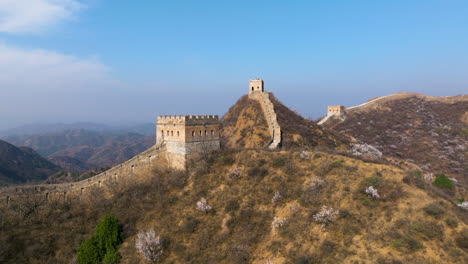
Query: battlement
{"x": 187, "y": 117}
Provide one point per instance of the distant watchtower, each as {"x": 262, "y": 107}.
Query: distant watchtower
{"x": 256, "y": 85}
{"x": 335, "y": 110}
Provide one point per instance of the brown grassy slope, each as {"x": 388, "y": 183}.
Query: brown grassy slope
{"x": 429, "y": 131}
{"x": 299, "y": 132}
{"x": 244, "y": 125}
{"x": 399, "y": 228}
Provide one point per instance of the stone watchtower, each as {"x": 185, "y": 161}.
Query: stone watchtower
{"x": 335, "y": 110}
{"x": 186, "y": 136}
{"x": 256, "y": 85}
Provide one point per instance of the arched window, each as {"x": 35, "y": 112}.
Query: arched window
{"x": 206, "y": 133}
{"x": 252, "y": 88}
{"x": 172, "y": 133}
{"x": 162, "y": 133}
{"x": 178, "y": 134}
{"x": 200, "y": 133}
{"x": 167, "y": 133}
{"x": 193, "y": 133}
{"x": 212, "y": 132}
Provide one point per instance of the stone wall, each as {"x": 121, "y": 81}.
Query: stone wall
{"x": 125, "y": 171}
{"x": 270, "y": 116}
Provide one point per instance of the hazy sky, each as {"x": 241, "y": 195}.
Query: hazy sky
{"x": 119, "y": 60}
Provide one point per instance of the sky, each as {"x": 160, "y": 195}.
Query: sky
{"x": 120, "y": 61}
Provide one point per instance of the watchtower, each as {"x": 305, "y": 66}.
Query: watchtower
{"x": 256, "y": 85}
{"x": 335, "y": 110}
{"x": 185, "y": 136}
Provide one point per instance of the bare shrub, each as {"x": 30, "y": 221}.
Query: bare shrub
{"x": 326, "y": 215}
{"x": 150, "y": 245}
{"x": 276, "y": 198}
{"x": 372, "y": 192}
{"x": 203, "y": 205}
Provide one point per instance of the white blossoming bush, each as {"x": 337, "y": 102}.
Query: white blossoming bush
{"x": 203, "y": 205}
{"x": 316, "y": 183}
{"x": 234, "y": 173}
{"x": 305, "y": 155}
{"x": 326, "y": 215}
{"x": 463, "y": 205}
{"x": 276, "y": 198}
{"x": 372, "y": 192}
{"x": 149, "y": 244}
{"x": 278, "y": 222}
{"x": 365, "y": 150}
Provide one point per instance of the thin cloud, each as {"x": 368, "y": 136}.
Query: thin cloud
{"x": 29, "y": 16}
{"x": 37, "y": 84}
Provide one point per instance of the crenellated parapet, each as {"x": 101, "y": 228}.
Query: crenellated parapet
{"x": 186, "y": 135}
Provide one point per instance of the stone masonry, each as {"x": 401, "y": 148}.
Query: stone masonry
{"x": 256, "y": 92}
{"x": 186, "y": 136}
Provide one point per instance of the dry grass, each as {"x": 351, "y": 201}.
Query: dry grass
{"x": 238, "y": 229}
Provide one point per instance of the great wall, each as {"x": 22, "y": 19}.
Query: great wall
{"x": 257, "y": 92}
{"x": 179, "y": 138}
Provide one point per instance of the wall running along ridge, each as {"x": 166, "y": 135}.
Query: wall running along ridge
{"x": 127, "y": 170}
{"x": 270, "y": 116}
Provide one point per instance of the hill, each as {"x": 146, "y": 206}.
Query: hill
{"x": 79, "y": 150}
{"x": 261, "y": 207}
{"x": 244, "y": 126}
{"x": 23, "y": 165}
{"x": 429, "y": 131}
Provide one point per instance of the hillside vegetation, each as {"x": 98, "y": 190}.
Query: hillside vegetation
{"x": 429, "y": 131}
{"x": 260, "y": 207}
{"x": 23, "y": 165}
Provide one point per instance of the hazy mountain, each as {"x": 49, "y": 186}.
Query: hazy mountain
{"x": 22, "y": 164}
{"x": 43, "y": 128}
{"x": 79, "y": 150}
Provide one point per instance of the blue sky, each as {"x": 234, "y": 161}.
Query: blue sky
{"x": 128, "y": 61}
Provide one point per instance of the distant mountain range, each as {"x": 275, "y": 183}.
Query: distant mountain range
{"x": 79, "y": 150}
{"x": 43, "y": 128}
{"x": 23, "y": 165}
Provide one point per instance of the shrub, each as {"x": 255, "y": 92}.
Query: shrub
{"x": 101, "y": 246}
{"x": 189, "y": 225}
{"x": 234, "y": 173}
{"x": 276, "y": 198}
{"x": 407, "y": 243}
{"x": 429, "y": 229}
{"x": 451, "y": 222}
{"x": 372, "y": 192}
{"x": 326, "y": 215}
{"x": 231, "y": 205}
{"x": 463, "y": 205}
{"x": 416, "y": 178}
{"x": 203, "y": 205}
{"x": 462, "y": 239}
{"x": 257, "y": 172}
{"x": 150, "y": 245}
{"x": 366, "y": 151}
{"x": 434, "y": 209}
{"x": 279, "y": 162}
{"x": 443, "y": 181}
